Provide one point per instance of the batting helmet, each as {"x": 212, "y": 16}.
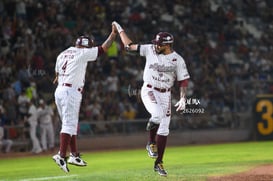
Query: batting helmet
{"x": 163, "y": 38}
{"x": 84, "y": 41}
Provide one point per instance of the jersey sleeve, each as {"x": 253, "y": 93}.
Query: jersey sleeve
{"x": 143, "y": 50}
{"x": 182, "y": 71}
{"x": 91, "y": 54}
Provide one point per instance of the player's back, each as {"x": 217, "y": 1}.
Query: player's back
{"x": 71, "y": 66}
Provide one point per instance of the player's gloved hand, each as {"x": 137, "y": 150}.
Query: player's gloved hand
{"x": 119, "y": 28}
{"x": 181, "y": 104}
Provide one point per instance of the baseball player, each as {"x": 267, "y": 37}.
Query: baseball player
{"x": 33, "y": 122}
{"x": 163, "y": 66}
{"x": 45, "y": 114}
{"x": 70, "y": 74}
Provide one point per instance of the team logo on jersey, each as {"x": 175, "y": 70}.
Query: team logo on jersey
{"x": 162, "y": 68}
{"x": 161, "y": 80}
{"x": 152, "y": 96}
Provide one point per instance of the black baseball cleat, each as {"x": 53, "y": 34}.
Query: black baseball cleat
{"x": 160, "y": 169}
{"x": 152, "y": 150}
{"x": 151, "y": 125}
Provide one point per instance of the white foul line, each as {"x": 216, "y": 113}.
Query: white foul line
{"x": 48, "y": 178}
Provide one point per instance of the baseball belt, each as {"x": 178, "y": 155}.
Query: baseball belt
{"x": 70, "y": 85}
{"x": 159, "y": 89}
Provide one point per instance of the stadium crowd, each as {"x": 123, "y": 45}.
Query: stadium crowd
{"x": 224, "y": 43}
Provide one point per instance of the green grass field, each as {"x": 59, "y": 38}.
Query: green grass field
{"x": 187, "y": 163}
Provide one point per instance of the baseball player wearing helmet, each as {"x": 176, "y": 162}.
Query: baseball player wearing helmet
{"x": 70, "y": 71}
{"x": 163, "y": 66}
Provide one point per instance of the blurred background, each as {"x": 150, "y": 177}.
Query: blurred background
{"x": 227, "y": 46}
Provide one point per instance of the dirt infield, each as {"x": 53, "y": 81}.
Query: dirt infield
{"x": 260, "y": 173}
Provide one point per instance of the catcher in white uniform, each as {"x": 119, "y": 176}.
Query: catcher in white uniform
{"x": 70, "y": 74}
{"x": 163, "y": 66}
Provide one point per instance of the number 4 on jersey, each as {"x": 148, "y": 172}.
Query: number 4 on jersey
{"x": 64, "y": 66}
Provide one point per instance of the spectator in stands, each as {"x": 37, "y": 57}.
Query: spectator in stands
{"x": 112, "y": 81}
{"x": 9, "y": 93}
{"x": 207, "y": 29}
{"x": 11, "y": 112}
{"x": 5, "y": 142}
{"x": 96, "y": 110}
{"x": 23, "y": 102}
{"x": 129, "y": 112}
{"x": 31, "y": 91}
{"x": 113, "y": 51}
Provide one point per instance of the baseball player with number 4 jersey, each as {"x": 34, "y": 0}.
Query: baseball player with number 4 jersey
{"x": 70, "y": 74}
{"x": 163, "y": 66}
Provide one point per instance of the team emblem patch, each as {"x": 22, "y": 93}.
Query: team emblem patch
{"x": 152, "y": 96}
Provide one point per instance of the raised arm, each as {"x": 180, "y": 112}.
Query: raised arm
{"x": 108, "y": 42}
{"x": 127, "y": 42}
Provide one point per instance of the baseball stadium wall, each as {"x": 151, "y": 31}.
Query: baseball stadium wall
{"x": 180, "y": 134}
{"x": 138, "y": 140}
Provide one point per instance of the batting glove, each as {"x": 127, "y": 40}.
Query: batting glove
{"x": 181, "y": 104}
{"x": 119, "y": 28}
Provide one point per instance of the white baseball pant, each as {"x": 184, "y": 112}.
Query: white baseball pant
{"x": 68, "y": 101}
{"x": 158, "y": 104}
{"x": 36, "y": 148}
{"x": 47, "y": 135}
